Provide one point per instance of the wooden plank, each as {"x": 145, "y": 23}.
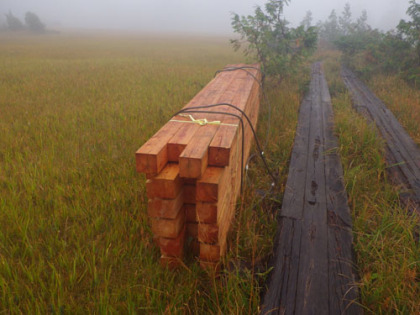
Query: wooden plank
{"x": 152, "y": 156}
{"x": 402, "y": 153}
{"x": 208, "y": 233}
{"x": 209, "y": 95}
{"x": 248, "y": 101}
{"x": 221, "y": 144}
{"x": 313, "y": 265}
{"x": 179, "y": 141}
{"x": 168, "y": 228}
{"x": 293, "y": 198}
{"x": 173, "y": 247}
{"x": 167, "y": 184}
{"x": 280, "y": 296}
{"x": 197, "y": 149}
{"x": 313, "y": 258}
{"x": 211, "y": 185}
{"x": 193, "y": 160}
{"x": 227, "y": 186}
{"x": 207, "y": 212}
{"x": 165, "y": 208}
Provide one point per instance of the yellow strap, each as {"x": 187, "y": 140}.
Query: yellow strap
{"x": 201, "y": 122}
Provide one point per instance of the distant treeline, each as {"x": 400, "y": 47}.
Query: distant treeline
{"x": 369, "y": 51}
{"x": 31, "y": 22}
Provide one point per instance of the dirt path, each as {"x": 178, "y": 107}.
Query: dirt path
{"x": 313, "y": 271}
{"x": 402, "y": 153}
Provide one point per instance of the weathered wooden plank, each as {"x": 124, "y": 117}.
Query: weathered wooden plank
{"x": 280, "y": 296}
{"x": 313, "y": 265}
{"x": 402, "y": 153}
{"x": 313, "y": 258}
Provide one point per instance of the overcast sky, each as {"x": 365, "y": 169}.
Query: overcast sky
{"x": 198, "y": 16}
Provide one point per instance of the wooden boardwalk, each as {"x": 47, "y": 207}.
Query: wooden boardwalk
{"x": 402, "y": 153}
{"x": 313, "y": 263}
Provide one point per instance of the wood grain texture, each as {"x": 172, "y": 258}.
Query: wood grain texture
{"x": 312, "y": 264}
{"x": 168, "y": 228}
{"x": 167, "y": 184}
{"x": 194, "y": 172}
{"x": 402, "y": 153}
{"x": 152, "y": 156}
{"x": 165, "y": 208}
{"x": 173, "y": 247}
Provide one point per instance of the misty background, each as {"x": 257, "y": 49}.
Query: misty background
{"x": 188, "y": 16}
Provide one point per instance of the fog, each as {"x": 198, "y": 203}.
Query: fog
{"x": 193, "y": 16}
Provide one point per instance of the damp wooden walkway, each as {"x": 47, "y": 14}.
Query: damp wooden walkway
{"x": 402, "y": 153}
{"x": 313, "y": 263}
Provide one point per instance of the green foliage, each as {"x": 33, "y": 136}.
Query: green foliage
{"x": 410, "y": 31}
{"x": 13, "y": 23}
{"x": 33, "y": 23}
{"x": 369, "y": 51}
{"x": 330, "y": 29}
{"x": 345, "y": 21}
{"x": 267, "y": 37}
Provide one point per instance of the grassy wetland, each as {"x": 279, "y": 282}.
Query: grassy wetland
{"x": 74, "y": 233}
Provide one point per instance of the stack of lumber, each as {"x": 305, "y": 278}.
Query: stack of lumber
{"x": 193, "y": 168}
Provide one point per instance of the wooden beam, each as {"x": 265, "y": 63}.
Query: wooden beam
{"x": 167, "y": 184}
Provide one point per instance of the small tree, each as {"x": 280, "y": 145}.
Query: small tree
{"x": 33, "y": 23}
{"x": 345, "y": 21}
{"x": 307, "y": 20}
{"x": 330, "y": 29}
{"x": 410, "y": 31}
{"x": 13, "y": 23}
{"x": 266, "y": 36}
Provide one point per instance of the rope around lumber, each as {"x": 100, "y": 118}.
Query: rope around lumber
{"x": 201, "y": 122}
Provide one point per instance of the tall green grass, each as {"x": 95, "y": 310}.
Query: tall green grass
{"x": 388, "y": 256}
